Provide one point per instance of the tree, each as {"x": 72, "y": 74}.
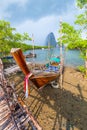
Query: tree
{"x": 9, "y": 38}
{"x": 82, "y": 18}
{"x": 81, "y": 3}
{"x": 82, "y": 21}
{"x": 73, "y": 39}
{"x": 71, "y": 36}
{"x": 5, "y": 35}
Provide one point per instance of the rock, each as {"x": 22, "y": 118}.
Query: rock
{"x": 50, "y": 40}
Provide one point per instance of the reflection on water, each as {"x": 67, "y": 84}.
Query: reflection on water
{"x": 71, "y": 57}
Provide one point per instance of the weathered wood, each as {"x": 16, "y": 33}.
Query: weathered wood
{"x": 6, "y": 119}
{"x": 41, "y": 79}
{"x": 19, "y": 58}
{"x": 11, "y": 70}
{"x": 13, "y": 114}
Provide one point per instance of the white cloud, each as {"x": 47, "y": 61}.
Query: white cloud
{"x": 40, "y": 28}
{"x": 4, "y": 4}
{"x": 44, "y": 26}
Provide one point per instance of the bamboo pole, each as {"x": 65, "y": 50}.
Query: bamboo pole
{"x": 86, "y": 62}
{"x": 33, "y": 45}
{"x": 61, "y": 55}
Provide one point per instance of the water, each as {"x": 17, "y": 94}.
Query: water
{"x": 71, "y": 57}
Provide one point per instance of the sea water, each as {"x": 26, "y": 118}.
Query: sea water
{"x": 71, "y": 57}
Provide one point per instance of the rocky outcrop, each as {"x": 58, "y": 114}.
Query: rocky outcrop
{"x": 50, "y": 40}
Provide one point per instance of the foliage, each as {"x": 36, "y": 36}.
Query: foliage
{"x": 81, "y": 3}
{"x": 82, "y": 69}
{"x": 71, "y": 36}
{"x": 82, "y": 20}
{"x": 9, "y": 38}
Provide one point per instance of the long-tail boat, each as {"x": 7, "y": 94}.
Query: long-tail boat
{"x": 30, "y": 55}
{"x": 40, "y": 79}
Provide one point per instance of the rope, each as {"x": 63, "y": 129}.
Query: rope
{"x": 27, "y": 91}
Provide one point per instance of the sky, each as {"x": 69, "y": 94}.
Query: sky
{"x": 38, "y": 17}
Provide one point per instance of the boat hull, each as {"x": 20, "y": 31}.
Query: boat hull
{"x": 42, "y": 79}
{"x": 30, "y": 55}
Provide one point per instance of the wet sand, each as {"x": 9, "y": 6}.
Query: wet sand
{"x": 58, "y": 108}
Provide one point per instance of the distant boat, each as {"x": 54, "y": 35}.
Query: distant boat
{"x": 42, "y": 48}
{"x": 30, "y": 55}
{"x": 7, "y": 57}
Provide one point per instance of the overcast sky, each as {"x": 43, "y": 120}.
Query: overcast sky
{"x": 38, "y": 17}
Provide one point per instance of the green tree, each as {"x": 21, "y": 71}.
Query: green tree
{"x": 81, "y": 3}
{"x": 5, "y": 35}
{"x": 82, "y": 21}
{"x": 73, "y": 39}
{"x": 71, "y": 36}
{"x": 9, "y": 38}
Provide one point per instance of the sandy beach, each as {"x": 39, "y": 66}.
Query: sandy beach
{"x": 57, "y": 108}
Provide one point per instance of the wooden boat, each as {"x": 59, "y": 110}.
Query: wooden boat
{"x": 43, "y": 78}
{"x": 39, "y": 79}
{"x": 30, "y": 55}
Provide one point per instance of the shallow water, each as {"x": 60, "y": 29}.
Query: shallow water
{"x": 71, "y": 57}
